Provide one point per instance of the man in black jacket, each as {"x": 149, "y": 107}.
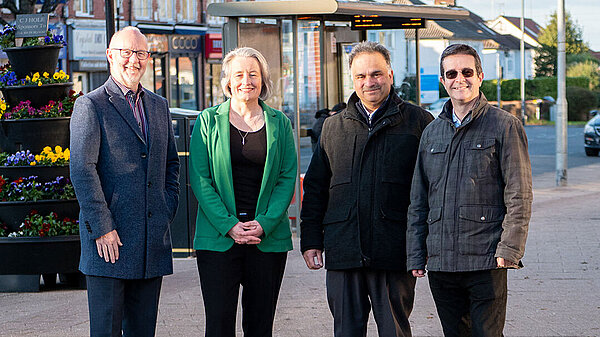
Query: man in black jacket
{"x": 357, "y": 190}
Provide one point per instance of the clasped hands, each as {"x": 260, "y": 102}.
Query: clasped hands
{"x": 246, "y": 232}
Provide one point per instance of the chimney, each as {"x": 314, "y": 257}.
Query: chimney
{"x": 445, "y": 2}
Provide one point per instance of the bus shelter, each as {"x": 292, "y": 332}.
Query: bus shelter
{"x": 307, "y": 42}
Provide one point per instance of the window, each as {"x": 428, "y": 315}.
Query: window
{"x": 166, "y": 9}
{"x": 214, "y": 20}
{"x": 188, "y": 10}
{"x": 142, "y": 9}
{"x": 84, "y": 7}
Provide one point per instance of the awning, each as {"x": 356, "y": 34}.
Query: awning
{"x": 333, "y": 10}
{"x": 178, "y": 29}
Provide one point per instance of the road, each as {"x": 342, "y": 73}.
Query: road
{"x": 542, "y": 149}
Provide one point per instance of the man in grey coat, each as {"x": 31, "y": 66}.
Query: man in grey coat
{"x": 125, "y": 169}
{"x": 470, "y": 201}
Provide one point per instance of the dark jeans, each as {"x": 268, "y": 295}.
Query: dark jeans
{"x": 127, "y": 305}
{"x": 478, "y": 294}
{"x": 352, "y": 293}
{"x": 222, "y": 273}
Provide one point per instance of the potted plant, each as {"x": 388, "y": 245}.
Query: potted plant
{"x": 36, "y": 54}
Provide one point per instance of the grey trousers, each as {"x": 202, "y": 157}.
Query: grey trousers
{"x": 352, "y": 293}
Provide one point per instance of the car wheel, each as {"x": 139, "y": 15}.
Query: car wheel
{"x": 591, "y": 152}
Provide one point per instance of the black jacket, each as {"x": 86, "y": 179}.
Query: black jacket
{"x": 471, "y": 193}
{"x": 357, "y": 187}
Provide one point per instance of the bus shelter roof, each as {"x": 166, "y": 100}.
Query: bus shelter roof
{"x": 333, "y": 10}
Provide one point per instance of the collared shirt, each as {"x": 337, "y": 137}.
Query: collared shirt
{"x": 457, "y": 122}
{"x": 369, "y": 115}
{"x": 135, "y": 103}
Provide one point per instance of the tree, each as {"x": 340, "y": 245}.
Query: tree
{"x": 586, "y": 69}
{"x": 546, "y": 54}
{"x": 28, "y": 7}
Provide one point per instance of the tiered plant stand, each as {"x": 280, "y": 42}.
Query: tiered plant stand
{"x": 26, "y": 259}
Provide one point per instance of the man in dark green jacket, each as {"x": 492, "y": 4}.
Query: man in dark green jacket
{"x": 356, "y": 195}
{"x": 470, "y": 201}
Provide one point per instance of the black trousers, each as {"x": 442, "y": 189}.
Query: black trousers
{"x": 479, "y": 294}
{"x": 116, "y": 305}
{"x": 352, "y": 293}
{"x": 221, "y": 274}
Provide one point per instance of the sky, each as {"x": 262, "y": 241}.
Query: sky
{"x": 584, "y": 12}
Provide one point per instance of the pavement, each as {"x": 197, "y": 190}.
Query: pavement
{"x": 556, "y": 294}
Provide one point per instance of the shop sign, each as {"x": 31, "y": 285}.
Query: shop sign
{"x": 213, "y": 46}
{"x": 88, "y": 44}
{"x": 31, "y": 25}
{"x": 185, "y": 44}
{"x": 89, "y": 65}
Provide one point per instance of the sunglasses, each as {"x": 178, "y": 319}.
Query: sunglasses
{"x": 466, "y": 72}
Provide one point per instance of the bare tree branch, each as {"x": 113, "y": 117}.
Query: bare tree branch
{"x": 10, "y": 5}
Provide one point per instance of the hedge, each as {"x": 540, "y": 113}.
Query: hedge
{"x": 534, "y": 88}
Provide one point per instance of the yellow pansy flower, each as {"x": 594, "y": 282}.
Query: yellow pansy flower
{"x": 67, "y": 76}
{"x": 58, "y": 149}
{"x": 39, "y": 83}
{"x": 3, "y": 106}
{"x": 46, "y": 75}
{"x": 56, "y": 76}
{"x": 32, "y": 163}
{"x": 38, "y": 157}
{"x": 47, "y": 149}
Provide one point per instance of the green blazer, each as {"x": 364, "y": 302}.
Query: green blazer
{"x": 212, "y": 182}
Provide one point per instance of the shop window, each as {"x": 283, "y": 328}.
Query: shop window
{"x": 83, "y": 7}
{"x": 183, "y": 82}
{"x": 141, "y": 9}
{"x": 166, "y": 8}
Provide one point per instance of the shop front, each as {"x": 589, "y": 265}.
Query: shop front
{"x": 87, "y": 55}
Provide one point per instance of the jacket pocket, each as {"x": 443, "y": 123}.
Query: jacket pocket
{"x": 480, "y": 157}
{"x": 341, "y": 165}
{"x": 434, "y": 231}
{"x": 480, "y": 228}
{"x": 434, "y": 160}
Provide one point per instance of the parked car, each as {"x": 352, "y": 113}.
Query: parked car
{"x": 436, "y": 107}
{"x": 591, "y": 136}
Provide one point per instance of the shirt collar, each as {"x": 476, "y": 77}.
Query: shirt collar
{"x": 125, "y": 90}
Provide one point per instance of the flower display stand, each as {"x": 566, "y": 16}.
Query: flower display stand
{"x": 38, "y": 95}
{"x": 31, "y": 59}
{"x": 25, "y": 259}
{"x": 33, "y": 134}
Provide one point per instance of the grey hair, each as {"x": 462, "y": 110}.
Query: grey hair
{"x": 370, "y": 47}
{"x": 267, "y": 85}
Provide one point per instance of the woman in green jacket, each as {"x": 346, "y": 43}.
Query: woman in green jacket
{"x": 243, "y": 172}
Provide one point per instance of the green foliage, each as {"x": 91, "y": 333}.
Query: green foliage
{"x": 534, "y": 88}
{"x": 545, "y": 60}
{"x": 587, "y": 69}
{"x": 580, "y": 101}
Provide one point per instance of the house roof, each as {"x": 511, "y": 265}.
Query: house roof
{"x": 505, "y": 41}
{"x": 531, "y": 27}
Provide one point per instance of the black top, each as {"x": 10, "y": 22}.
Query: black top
{"x": 247, "y": 166}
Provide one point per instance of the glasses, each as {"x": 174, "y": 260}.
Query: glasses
{"x": 140, "y": 54}
{"x": 466, "y": 72}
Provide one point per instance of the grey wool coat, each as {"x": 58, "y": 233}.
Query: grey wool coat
{"x": 124, "y": 182}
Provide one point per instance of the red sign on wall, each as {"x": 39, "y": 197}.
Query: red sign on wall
{"x": 213, "y": 44}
